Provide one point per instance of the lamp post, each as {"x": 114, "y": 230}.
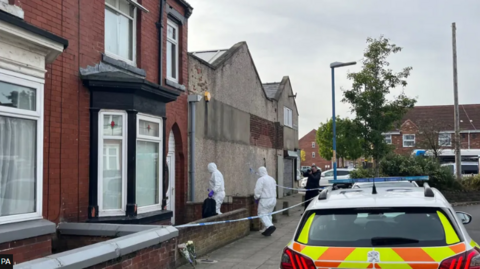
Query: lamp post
{"x": 333, "y": 66}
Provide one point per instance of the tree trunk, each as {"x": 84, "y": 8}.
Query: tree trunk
{"x": 377, "y": 167}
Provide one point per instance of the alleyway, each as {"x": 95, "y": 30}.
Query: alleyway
{"x": 256, "y": 251}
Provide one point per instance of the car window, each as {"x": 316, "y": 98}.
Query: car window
{"x": 380, "y": 227}
{"x": 342, "y": 173}
{"x": 329, "y": 174}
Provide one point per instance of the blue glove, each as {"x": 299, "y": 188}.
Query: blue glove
{"x": 210, "y": 194}
{"x": 256, "y": 201}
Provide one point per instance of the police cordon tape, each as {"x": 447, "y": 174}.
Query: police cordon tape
{"x": 296, "y": 189}
{"x": 242, "y": 219}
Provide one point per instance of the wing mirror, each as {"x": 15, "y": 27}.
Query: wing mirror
{"x": 464, "y": 217}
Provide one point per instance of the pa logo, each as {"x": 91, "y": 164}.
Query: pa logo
{"x": 373, "y": 256}
{"x": 6, "y": 261}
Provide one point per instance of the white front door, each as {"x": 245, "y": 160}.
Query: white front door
{"x": 171, "y": 174}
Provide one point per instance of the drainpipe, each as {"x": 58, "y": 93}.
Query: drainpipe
{"x": 160, "y": 42}
{"x": 192, "y": 100}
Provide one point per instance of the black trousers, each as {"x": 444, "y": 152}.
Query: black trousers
{"x": 309, "y": 195}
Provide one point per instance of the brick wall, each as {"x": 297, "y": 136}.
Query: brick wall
{"x": 28, "y": 249}
{"x": 67, "y": 103}
{"x": 209, "y": 238}
{"x": 161, "y": 256}
{"x": 67, "y": 134}
{"x": 177, "y": 113}
{"x": 263, "y": 133}
{"x": 305, "y": 144}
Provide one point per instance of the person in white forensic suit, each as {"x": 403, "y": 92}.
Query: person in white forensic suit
{"x": 217, "y": 186}
{"x": 266, "y": 197}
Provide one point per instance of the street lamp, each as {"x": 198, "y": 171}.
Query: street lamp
{"x": 333, "y": 66}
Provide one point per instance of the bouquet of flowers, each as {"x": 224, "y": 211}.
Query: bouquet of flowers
{"x": 186, "y": 254}
{"x": 191, "y": 251}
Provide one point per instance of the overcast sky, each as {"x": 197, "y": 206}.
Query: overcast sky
{"x": 300, "y": 38}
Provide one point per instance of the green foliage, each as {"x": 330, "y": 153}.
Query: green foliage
{"x": 368, "y": 97}
{"x": 471, "y": 183}
{"x": 348, "y": 141}
{"x": 362, "y": 173}
{"x": 399, "y": 165}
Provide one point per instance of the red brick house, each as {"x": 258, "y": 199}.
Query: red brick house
{"x": 439, "y": 120}
{"x": 93, "y": 116}
{"x": 308, "y": 144}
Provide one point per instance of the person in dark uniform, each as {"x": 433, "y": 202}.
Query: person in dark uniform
{"x": 313, "y": 182}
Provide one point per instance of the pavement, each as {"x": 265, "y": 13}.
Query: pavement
{"x": 256, "y": 251}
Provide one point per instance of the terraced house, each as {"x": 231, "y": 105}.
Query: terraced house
{"x": 93, "y": 118}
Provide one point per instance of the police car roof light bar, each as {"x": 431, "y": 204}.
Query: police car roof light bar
{"x": 379, "y": 179}
{"x": 428, "y": 192}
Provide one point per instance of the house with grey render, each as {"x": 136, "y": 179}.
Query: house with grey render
{"x": 245, "y": 124}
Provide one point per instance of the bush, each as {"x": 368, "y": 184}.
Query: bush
{"x": 398, "y": 165}
{"x": 362, "y": 173}
{"x": 471, "y": 183}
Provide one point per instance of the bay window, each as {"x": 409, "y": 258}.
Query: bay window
{"x": 148, "y": 163}
{"x": 113, "y": 177}
{"x": 21, "y": 147}
{"x": 112, "y": 163}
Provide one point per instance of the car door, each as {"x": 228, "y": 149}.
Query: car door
{"x": 325, "y": 178}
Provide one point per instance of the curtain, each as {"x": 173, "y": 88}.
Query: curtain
{"x": 17, "y": 166}
{"x": 147, "y": 175}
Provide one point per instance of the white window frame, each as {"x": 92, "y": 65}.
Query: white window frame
{"x": 449, "y": 138}
{"x": 112, "y": 212}
{"x": 37, "y": 84}
{"x": 287, "y": 117}
{"x": 405, "y": 140}
{"x": 117, "y": 162}
{"x": 313, "y": 154}
{"x": 133, "y": 61}
{"x": 176, "y": 42}
{"x": 313, "y": 145}
{"x": 388, "y": 137}
{"x": 159, "y": 140}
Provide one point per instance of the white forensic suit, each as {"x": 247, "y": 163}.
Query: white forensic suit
{"x": 217, "y": 185}
{"x": 266, "y": 192}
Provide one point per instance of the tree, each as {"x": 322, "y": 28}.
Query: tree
{"x": 348, "y": 140}
{"x": 368, "y": 97}
{"x": 302, "y": 155}
{"x": 429, "y": 134}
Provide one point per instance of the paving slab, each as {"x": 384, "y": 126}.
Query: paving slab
{"x": 256, "y": 251}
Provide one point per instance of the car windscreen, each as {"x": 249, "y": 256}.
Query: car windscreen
{"x": 377, "y": 227}
{"x": 386, "y": 184}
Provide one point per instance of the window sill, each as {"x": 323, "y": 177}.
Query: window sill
{"x": 123, "y": 64}
{"x": 27, "y": 229}
{"x": 144, "y": 218}
{"x": 175, "y": 85}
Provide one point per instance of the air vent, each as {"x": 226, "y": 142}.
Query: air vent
{"x": 348, "y": 191}
{"x": 400, "y": 190}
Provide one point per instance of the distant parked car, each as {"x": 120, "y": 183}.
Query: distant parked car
{"x": 342, "y": 173}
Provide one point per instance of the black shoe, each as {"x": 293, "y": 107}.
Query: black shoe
{"x": 269, "y": 231}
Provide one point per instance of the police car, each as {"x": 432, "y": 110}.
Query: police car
{"x": 382, "y": 227}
